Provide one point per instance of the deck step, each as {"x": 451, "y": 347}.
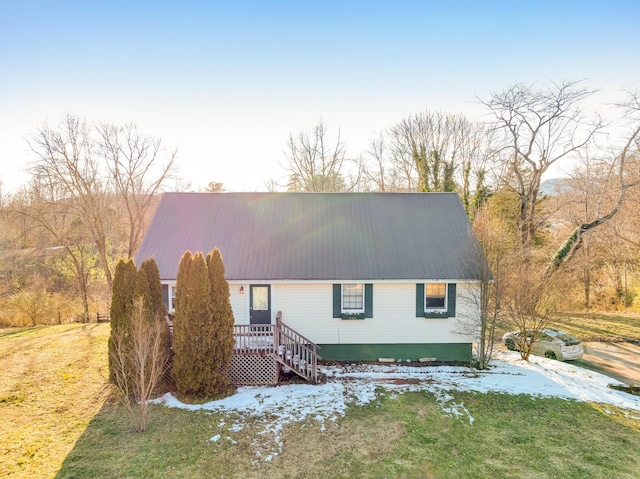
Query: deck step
{"x": 287, "y": 347}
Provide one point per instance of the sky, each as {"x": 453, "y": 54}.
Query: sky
{"x": 227, "y": 83}
{"x": 359, "y": 384}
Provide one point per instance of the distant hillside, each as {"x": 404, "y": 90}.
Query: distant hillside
{"x": 553, "y": 186}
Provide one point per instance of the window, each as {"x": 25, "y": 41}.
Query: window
{"x": 171, "y": 306}
{"x": 353, "y": 301}
{"x": 435, "y": 300}
{"x": 353, "y": 298}
{"x": 435, "y": 296}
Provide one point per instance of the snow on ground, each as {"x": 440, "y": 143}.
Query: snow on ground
{"x": 359, "y": 384}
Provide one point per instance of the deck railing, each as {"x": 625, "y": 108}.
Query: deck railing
{"x": 295, "y": 351}
{"x": 286, "y": 345}
{"x": 254, "y": 338}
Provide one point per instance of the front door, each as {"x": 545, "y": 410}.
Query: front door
{"x": 260, "y": 307}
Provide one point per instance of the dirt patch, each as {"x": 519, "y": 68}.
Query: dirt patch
{"x": 635, "y": 390}
{"x": 400, "y": 381}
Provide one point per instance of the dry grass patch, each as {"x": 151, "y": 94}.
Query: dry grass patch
{"x": 601, "y": 326}
{"x": 352, "y": 447}
{"x": 53, "y": 382}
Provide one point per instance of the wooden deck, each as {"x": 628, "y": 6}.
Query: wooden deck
{"x": 269, "y": 347}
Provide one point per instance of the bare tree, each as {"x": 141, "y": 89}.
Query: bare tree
{"x": 540, "y": 128}
{"x": 492, "y": 248}
{"x": 93, "y": 171}
{"x": 385, "y": 170}
{"x": 625, "y": 166}
{"x": 139, "y": 168}
{"x": 138, "y": 369}
{"x": 52, "y": 218}
{"x": 476, "y": 154}
{"x": 620, "y": 258}
{"x": 3, "y": 222}
{"x": 589, "y": 191}
{"x": 435, "y": 151}
{"x": 272, "y": 185}
{"x": 214, "y": 187}
{"x": 68, "y": 164}
{"x": 316, "y": 164}
{"x": 528, "y": 305}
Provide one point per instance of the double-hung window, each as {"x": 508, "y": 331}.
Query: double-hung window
{"x": 435, "y": 300}
{"x": 435, "y": 296}
{"x": 353, "y": 298}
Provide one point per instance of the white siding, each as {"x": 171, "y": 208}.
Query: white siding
{"x": 239, "y": 302}
{"x": 308, "y": 308}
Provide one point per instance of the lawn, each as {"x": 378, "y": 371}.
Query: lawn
{"x": 53, "y": 383}
{"x": 57, "y": 422}
{"x": 601, "y": 326}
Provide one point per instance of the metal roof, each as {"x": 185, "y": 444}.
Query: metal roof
{"x": 315, "y": 236}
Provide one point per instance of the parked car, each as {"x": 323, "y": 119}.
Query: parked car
{"x": 550, "y": 343}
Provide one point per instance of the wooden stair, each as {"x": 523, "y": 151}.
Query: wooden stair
{"x": 263, "y": 349}
{"x": 296, "y": 352}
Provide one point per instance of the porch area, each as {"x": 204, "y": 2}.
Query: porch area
{"x": 263, "y": 350}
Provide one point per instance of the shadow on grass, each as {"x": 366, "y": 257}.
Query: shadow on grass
{"x": 14, "y": 332}
{"x": 175, "y": 440}
{"x": 601, "y": 327}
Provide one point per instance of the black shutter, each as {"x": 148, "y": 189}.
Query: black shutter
{"x": 368, "y": 300}
{"x": 337, "y": 300}
{"x": 420, "y": 300}
{"x": 451, "y": 300}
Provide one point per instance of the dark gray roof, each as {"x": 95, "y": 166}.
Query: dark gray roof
{"x": 315, "y": 236}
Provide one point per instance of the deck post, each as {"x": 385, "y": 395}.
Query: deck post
{"x": 276, "y": 333}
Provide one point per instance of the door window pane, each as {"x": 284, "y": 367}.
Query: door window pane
{"x": 260, "y": 298}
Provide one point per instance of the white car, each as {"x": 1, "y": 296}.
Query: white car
{"x": 550, "y": 343}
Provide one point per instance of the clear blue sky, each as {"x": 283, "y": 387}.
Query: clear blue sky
{"x": 227, "y": 82}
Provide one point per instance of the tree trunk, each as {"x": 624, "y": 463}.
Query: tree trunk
{"x": 101, "y": 244}
{"x": 587, "y": 286}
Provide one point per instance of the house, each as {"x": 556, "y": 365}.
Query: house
{"x": 363, "y": 276}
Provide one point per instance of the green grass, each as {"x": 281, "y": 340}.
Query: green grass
{"x": 56, "y": 422}
{"x": 601, "y": 326}
{"x": 407, "y": 436}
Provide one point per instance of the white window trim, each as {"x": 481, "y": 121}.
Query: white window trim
{"x": 351, "y": 311}
{"x": 171, "y": 294}
{"x": 446, "y": 299}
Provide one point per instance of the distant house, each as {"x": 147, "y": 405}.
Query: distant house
{"x": 362, "y": 275}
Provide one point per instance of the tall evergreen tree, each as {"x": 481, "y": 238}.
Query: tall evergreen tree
{"x": 122, "y": 298}
{"x": 222, "y": 342}
{"x": 142, "y": 290}
{"x": 192, "y": 328}
{"x": 180, "y": 339}
{"x": 138, "y": 352}
{"x": 150, "y": 269}
{"x": 159, "y": 311}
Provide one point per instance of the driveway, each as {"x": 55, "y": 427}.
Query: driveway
{"x": 620, "y": 361}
